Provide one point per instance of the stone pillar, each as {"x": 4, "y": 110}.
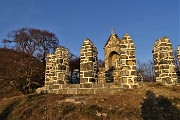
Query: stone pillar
{"x": 50, "y": 72}
{"x": 128, "y": 61}
{"x": 61, "y": 64}
{"x": 164, "y": 61}
{"x": 57, "y": 69}
{"x": 88, "y": 62}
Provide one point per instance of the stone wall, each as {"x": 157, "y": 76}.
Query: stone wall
{"x": 101, "y": 75}
{"x": 92, "y": 88}
{"x": 57, "y": 69}
{"x": 88, "y": 62}
{"x": 164, "y": 61}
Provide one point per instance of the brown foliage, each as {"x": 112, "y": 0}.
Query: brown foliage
{"x": 146, "y": 70}
{"x": 101, "y": 63}
{"x": 21, "y": 70}
{"x": 74, "y": 62}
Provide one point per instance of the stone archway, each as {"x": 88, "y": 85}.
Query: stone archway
{"x": 113, "y": 67}
{"x": 114, "y": 60}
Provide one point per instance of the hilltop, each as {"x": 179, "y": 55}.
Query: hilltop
{"x": 136, "y": 104}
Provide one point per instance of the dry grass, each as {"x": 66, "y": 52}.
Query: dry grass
{"x": 124, "y": 105}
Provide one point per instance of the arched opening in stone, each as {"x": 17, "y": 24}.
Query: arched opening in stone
{"x": 113, "y": 65}
{"x": 114, "y": 60}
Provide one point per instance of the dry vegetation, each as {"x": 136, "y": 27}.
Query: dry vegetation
{"x": 127, "y": 104}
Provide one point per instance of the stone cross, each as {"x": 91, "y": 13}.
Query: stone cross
{"x": 112, "y": 30}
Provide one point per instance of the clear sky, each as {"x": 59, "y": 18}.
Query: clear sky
{"x": 74, "y": 20}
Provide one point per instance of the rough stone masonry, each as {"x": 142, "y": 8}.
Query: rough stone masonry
{"x": 57, "y": 69}
{"x": 119, "y": 71}
{"x": 164, "y": 62}
{"x": 88, "y": 62}
{"x": 120, "y": 61}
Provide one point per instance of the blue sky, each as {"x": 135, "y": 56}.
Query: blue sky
{"x": 74, "y": 20}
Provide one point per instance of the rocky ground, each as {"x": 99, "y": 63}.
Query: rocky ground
{"x": 137, "y": 104}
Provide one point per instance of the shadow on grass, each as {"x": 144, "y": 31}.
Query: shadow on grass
{"x": 5, "y": 113}
{"x": 158, "y": 108}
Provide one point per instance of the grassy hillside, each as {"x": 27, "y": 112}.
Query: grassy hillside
{"x": 148, "y": 102}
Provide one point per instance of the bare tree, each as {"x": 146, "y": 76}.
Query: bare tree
{"x": 176, "y": 59}
{"x": 101, "y": 63}
{"x": 146, "y": 70}
{"x": 32, "y": 41}
{"x": 74, "y": 62}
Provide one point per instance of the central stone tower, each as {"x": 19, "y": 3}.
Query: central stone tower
{"x": 120, "y": 60}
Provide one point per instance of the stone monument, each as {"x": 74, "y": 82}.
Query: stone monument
{"x": 164, "y": 62}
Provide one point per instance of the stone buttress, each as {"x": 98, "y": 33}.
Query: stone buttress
{"x": 164, "y": 62}
{"x": 88, "y": 62}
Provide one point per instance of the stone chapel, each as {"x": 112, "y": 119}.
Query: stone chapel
{"x": 120, "y": 60}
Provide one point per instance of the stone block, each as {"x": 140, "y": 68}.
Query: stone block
{"x": 89, "y": 53}
{"x": 73, "y": 85}
{"x": 85, "y": 91}
{"x": 86, "y": 85}
{"x": 55, "y": 87}
{"x": 59, "y": 61}
{"x": 123, "y": 46}
{"x": 84, "y": 80}
{"x": 133, "y": 73}
{"x": 62, "y": 91}
{"x": 60, "y": 82}
{"x": 88, "y": 74}
{"x": 92, "y": 79}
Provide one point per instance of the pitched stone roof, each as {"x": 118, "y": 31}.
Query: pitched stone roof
{"x": 110, "y": 37}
